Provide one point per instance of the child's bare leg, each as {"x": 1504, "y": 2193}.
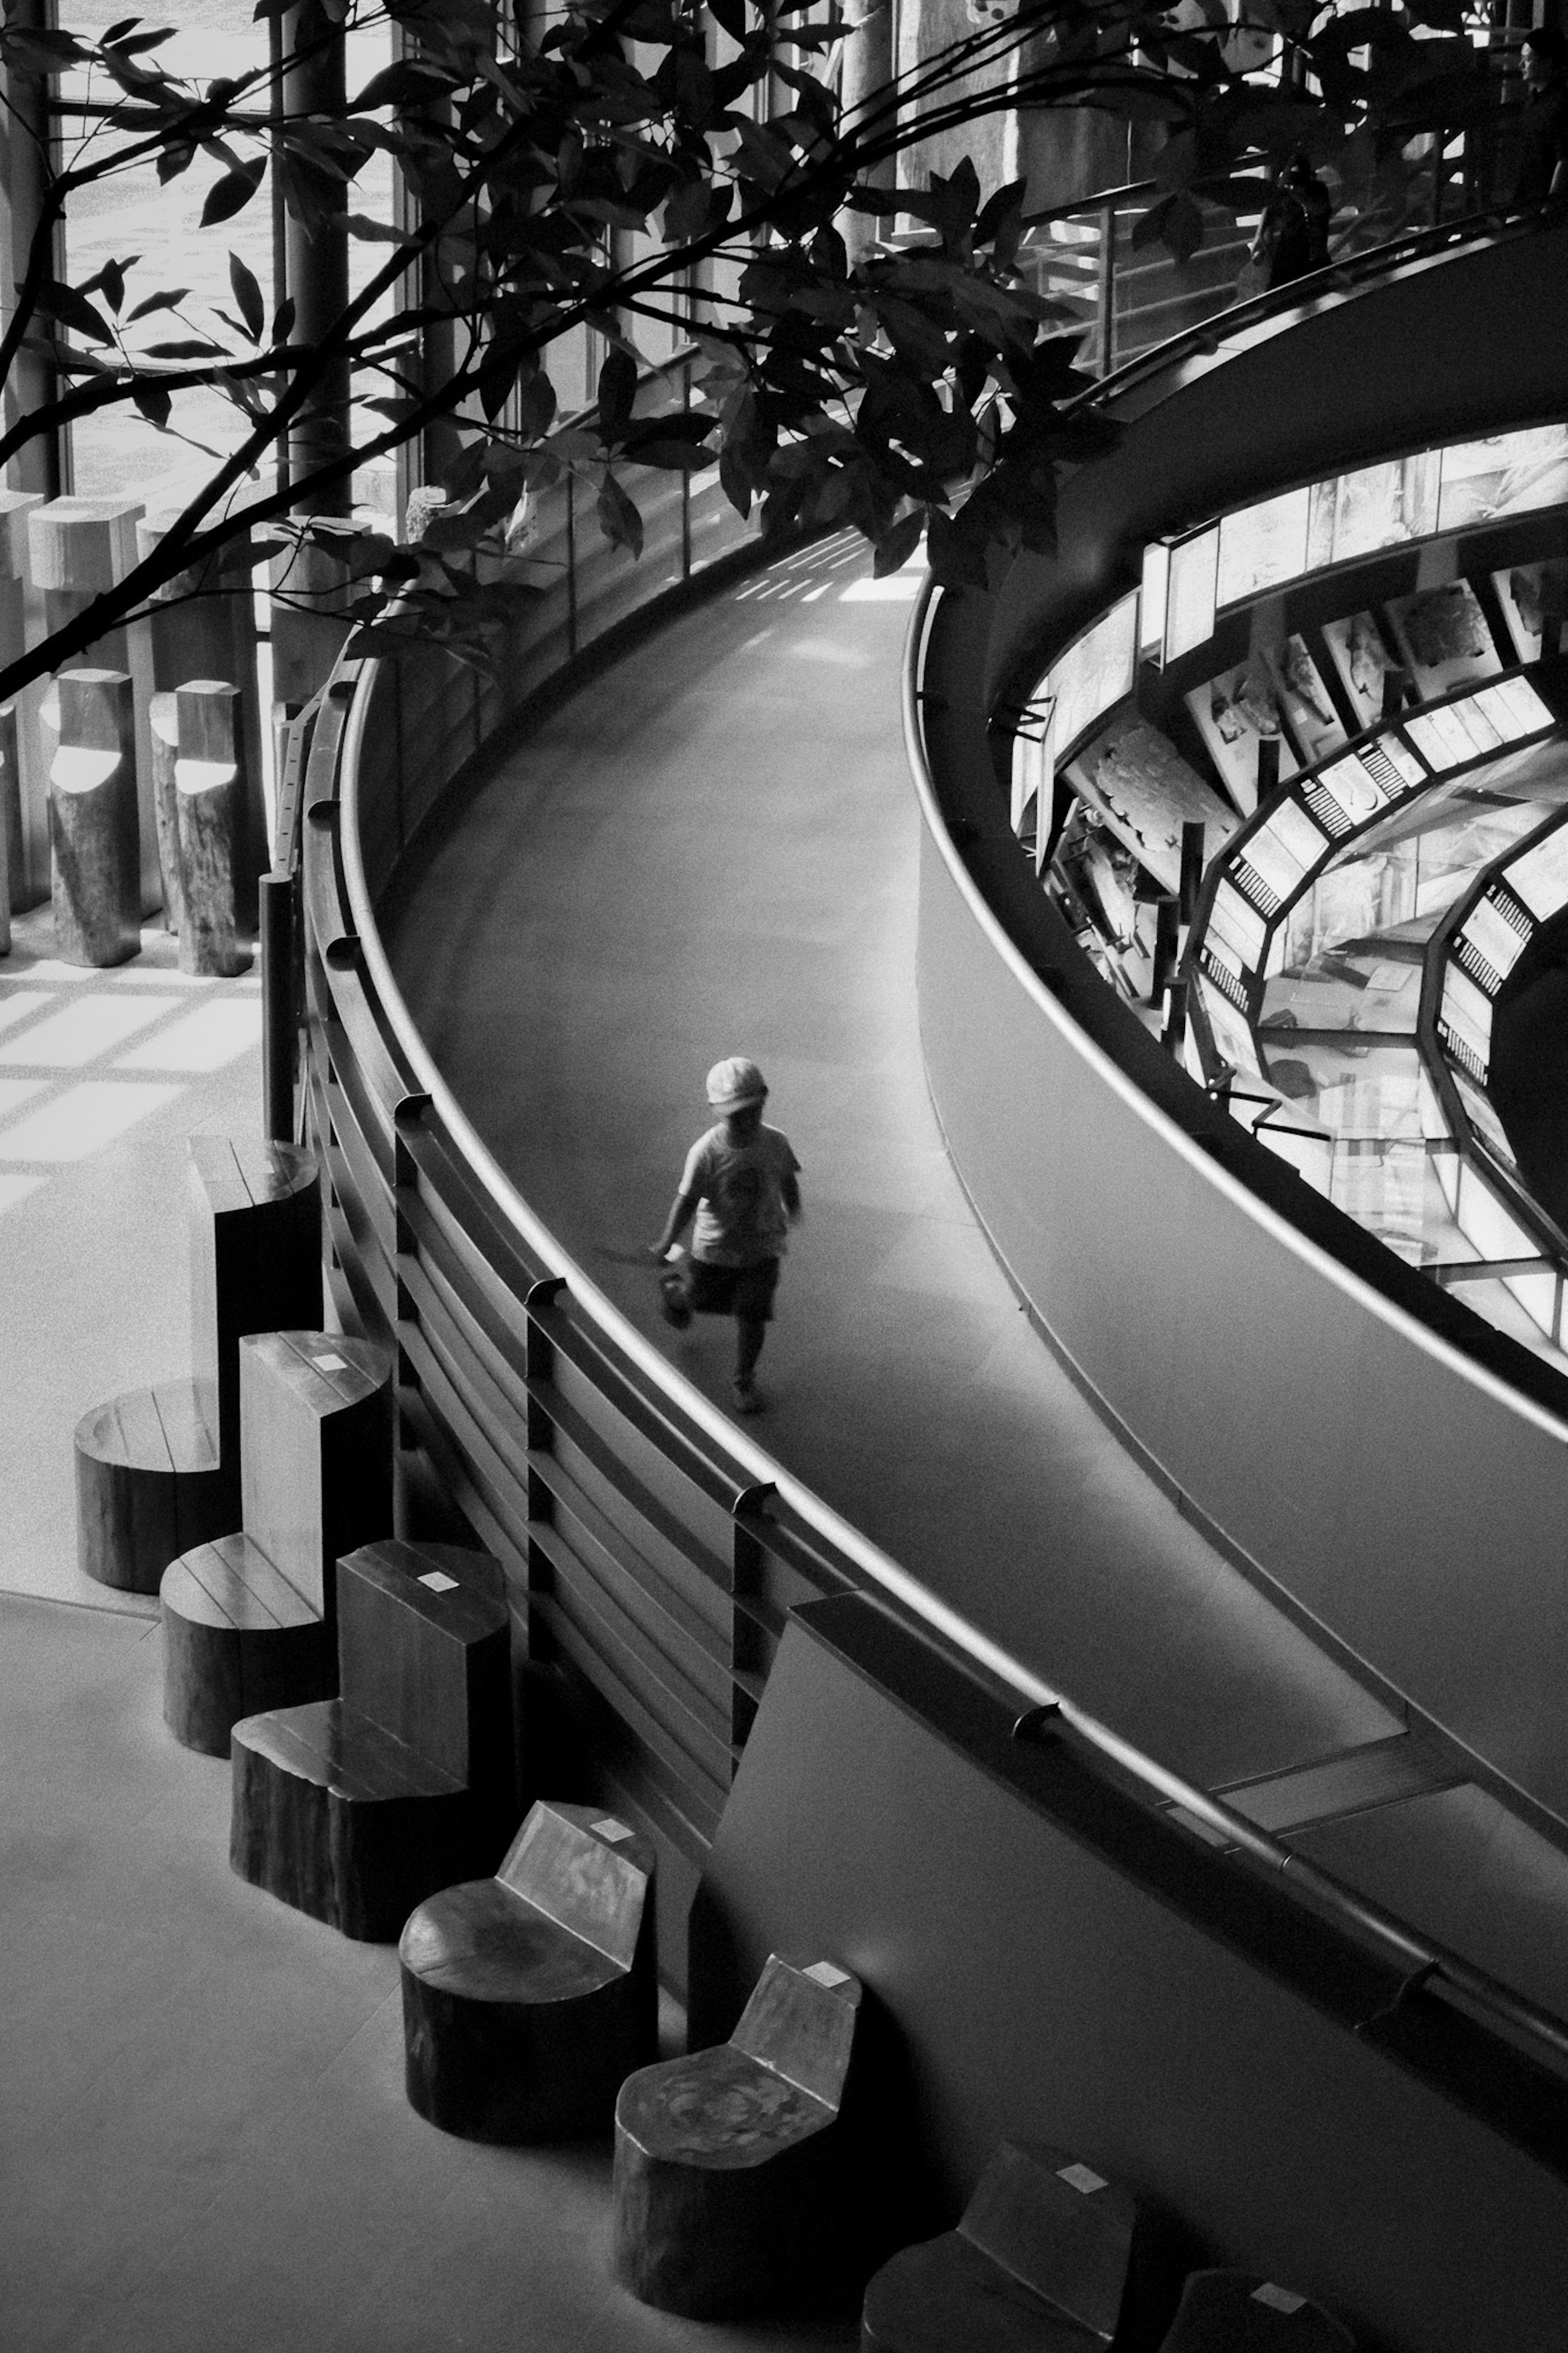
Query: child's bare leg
{"x": 750, "y": 1333}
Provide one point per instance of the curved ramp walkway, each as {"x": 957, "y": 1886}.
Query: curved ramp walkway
{"x": 711, "y": 850}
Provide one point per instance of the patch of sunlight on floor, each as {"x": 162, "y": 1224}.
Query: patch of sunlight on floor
{"x": 203, "y": 1040}
{"x": 17, "y": 1186}
{"x": 83, "y": 1119}
{"x": 22, "y": 1005}
{"x": 81, "y": 1031}
{"x": 894, "y": 588}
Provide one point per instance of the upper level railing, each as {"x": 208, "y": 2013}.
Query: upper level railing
{"x": 653, "y": 1549}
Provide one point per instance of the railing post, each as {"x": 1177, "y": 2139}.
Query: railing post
{"x": 686, "y": 478}
{"x": 1107, "y": 292}
{"x": 571, "y": 563}
{"x": 277, "y": 1025}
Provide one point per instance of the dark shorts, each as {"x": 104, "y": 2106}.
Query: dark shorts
{"x": 745, "y": 1291}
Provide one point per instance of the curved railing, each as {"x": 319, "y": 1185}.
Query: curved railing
{"x": 653, "y": 1550}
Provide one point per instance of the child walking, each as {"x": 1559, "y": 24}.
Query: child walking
{"x": 741, "y": 1184}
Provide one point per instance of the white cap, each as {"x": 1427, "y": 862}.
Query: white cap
{"x": 735, "y": 1082}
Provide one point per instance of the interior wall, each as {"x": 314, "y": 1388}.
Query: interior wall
{"x": 1024, "y": 1986}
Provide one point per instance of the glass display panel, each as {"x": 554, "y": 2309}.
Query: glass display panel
{"x": 1259, "y": 546}
{"x": 1467, "y": 1012}
{"x": 1190, "y": 608}
{"x": 1540, "y": 876}
{"x": 1235, "y": 711}
{"x": 1441, "y": 738}
{"x": 1285, "y": 849}
{"x": 1095, "y": 672}
{"x": 1243, "y": 930}
{"x": 1154, "y": 597}
{"x": 1407, "y": 769}
{"x": 1515, "y": 701}
{"x": 1372, "y": 1093}
{"x": 1484, "y": 1222}
{"x": 1507, "y": 474}
{"x": 1443, "y": 636}
{"x": 1389, "y": 1188}
{"x": 1479, "y": 1110}
{"x": 1493, "y": 937}
{"x": 1031, "y": 773}
{"x": 1345, "y": 992}
{"x": 1376, "y": 507}
{"x": 1307, "y": 706}
{"x": 1357, "y": 790}
{"x": 1231, "y": 1035}
{"x": 1146, "y": 792}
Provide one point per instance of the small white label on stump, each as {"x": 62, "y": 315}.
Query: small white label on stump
{"x": 610, "y": 1830}
{"x": 1078, "y": 2177}
{"x": 439, "y": 1581}
{"x": 1282, "y": 2299}
{"x": 826, "y": 1974}
{"x": 331, "y": 1364}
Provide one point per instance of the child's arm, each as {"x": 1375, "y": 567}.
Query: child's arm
{"x": 790, "y": 1189}
{"x": 682, "y": 1209}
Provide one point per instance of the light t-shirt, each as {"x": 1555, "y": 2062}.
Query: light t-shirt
{"x": 741, "y": 1216}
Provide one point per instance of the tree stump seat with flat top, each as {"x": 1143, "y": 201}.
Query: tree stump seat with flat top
{"x": 158, "y": 1469}
{"x": 1237, "y": 2312}
{"x": 357, "y": 1808}
{"x": 149, "y": 1484}
{"x": 315, "y": 1409}
{"x": 238, "y": 1639}
{"x": 732, "y": 2184}
{"x": 528, "y": 1997}
{"x": 1048, "y": 2257}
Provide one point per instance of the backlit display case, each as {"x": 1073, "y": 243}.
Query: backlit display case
{"x": 1385, "y": 829}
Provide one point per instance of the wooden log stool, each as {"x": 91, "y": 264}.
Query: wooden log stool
{"x": 528, "y": 1998}
{"x": 1237, "y": 2312}
{"x": 76, "y": 549}
{"x": 97, "y": 883}
{"x": 23, "y": 784}
{"x": 211, "y": 828}
{"x": 149, "y": 1486}
{"x": 1049, "y": 2257}
{"x": 732, "y": 2188}
{"x": 315, "y": 1482}
{"x": 355, "y": 1809}
{"x": 158, "y": 1470}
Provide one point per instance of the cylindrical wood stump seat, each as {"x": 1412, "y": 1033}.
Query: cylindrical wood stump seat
{"x": 1048, "y": 2257}
{"x": 335, "y": 1816}
{"x": 733, "y": 2194}
{"x": 238, "y": 1639}
{"x": 149, "y": 1486}
{"x": 517, "y": 2026}
{"x": 946, "y": 2292}
{"x": 1237, "y": 2312}
{"x": 93, "y": 822}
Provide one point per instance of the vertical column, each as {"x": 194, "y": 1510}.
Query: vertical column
{"x": 210, "y": 829}
{"x": 27, "y": 153}
{"x": 203, "y": 625}
{"x": 23, "y": 783}
{"x": 317, "y": 261}
{"x": 867, "y": 70}
{"x": 78, "y": 548}
{"x": 93, "y": 820}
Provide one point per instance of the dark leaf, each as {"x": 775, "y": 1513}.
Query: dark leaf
{"x": 896, "y": 547}
{"x": 247, "y": 294}
{"x": 192, "y": 349}
{"x": 730, "y": 16}
{"x": 619, "y": 517}
{"x": 172, "y": 160}
{"x": 73, "y": 311}
{"x": 618, "y": 388}
{"x": 153, "y": 403}
{"x": 283, "y": 321}
{"x": 168, "y": 300}
{"x": 111, "y": 278}
{"x": 233, "y": 192}
{"x": 402, "y": 84}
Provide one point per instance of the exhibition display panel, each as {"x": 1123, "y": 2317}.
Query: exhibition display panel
{"x": 1295, "y": 861}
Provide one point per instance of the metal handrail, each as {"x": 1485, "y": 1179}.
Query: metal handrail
{"x": 1405, "y": 1951}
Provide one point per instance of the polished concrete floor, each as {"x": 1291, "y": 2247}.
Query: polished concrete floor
{"x": 204, "y": 2145}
